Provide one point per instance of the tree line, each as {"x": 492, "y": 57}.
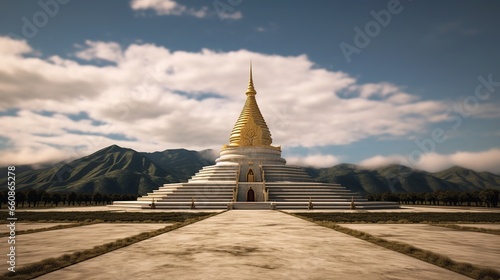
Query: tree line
{"x": 486, "y": 197}
{"x": 36, "y": 198}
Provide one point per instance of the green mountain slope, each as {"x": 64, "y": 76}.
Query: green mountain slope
{"x": 181, "y": 162}
{"x": 110, "y": 170}
{"x": 399, "y": 178}
{"x": 351, "y": 176}
{"x": 463, "y": 176}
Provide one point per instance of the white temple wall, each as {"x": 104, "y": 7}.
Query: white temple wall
{"x": 243, "y": 190}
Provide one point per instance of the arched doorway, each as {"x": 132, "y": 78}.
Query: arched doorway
{"x": 250, "y": 176}
{"x": 250, "y": 195}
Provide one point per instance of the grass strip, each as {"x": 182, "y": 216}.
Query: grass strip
{"x": 399, "y": 217}
{"x": 468, "y": 228}
{"x": 107, "y": 216}
{"x": 52, "y": 264}
{"x": 19, "y": 232}
{"x": 466, "y": 269}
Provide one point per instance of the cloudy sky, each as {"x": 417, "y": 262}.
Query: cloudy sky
{"x": 364, "y": 82}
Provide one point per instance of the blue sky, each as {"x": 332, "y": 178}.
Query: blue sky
{"x": 151, "y": 75}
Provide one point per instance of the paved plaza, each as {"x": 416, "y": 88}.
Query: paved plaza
{"x": 253, "y": 245}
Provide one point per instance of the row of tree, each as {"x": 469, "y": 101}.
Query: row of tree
{"x": 34, "y": 198}
{"x": 486, "y": 197}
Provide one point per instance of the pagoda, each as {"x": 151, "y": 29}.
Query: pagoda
{"x": 251, "y": 174}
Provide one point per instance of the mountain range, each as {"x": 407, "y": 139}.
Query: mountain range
{"x": 400, "y": 178}
{"x": 120, "y": 170}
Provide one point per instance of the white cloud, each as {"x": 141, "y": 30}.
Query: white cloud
{"x": 234, "y": 15}
{"x": 481, "y": 161}
{"x": 380, "y": 160}
{"x": 101, "y": 50}
{"x": 168, "y": 7}
{"x": 166, "y": 99}
{"x": 13, "y": 47}
{"x": 488, "y": 160}
{"x": 315, "y": 160}
{"x": 270, "y": 27}
{"x": 480, "y": 110}
{"x": 37, "y": 153}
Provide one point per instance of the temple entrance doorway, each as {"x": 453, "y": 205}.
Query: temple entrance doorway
{"x": 250, "y": 195}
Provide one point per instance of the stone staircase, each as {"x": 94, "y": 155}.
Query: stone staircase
{"x": 288, "y": 187}
{"x": 216, "y": 173}
{"x": 208, "y": 195}
{"x": 285, "y": 173}
{"x": 210, "y": 188}
{"x": 299, "y": 195}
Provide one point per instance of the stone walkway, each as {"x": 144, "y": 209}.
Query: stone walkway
{"x": 481, "y": 249}
{"x": 253, "y": 245}
{"x": 35, "y": 247}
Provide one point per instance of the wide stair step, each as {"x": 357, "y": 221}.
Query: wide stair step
{"x": 251, "y": 205}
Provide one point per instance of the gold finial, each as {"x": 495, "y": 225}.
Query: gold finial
{"x": 251, "y": 89}
{"x": 250, "y": 130}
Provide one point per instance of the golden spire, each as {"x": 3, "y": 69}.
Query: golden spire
{"x": 251, "y": 128}
{"x": 251, "y": 89}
